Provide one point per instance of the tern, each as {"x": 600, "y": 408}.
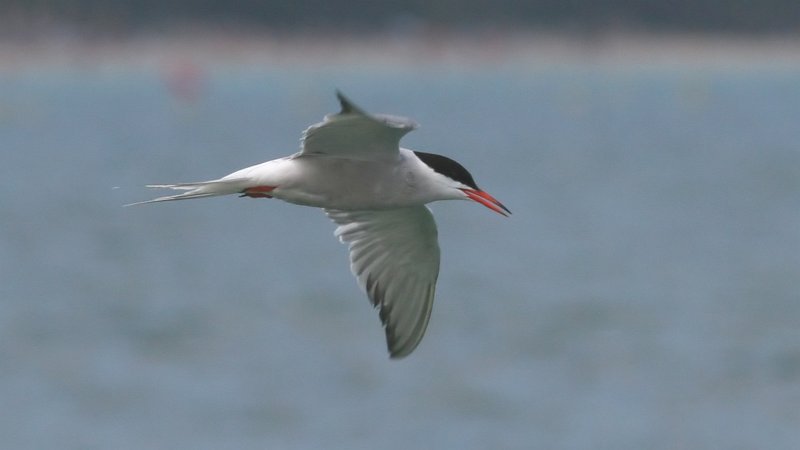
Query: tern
{"x": 352, "y": 166}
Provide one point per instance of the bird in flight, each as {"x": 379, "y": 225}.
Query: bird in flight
{"x": 352, "y": 166}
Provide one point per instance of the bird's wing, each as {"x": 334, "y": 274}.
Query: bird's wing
{"x": 354, "y": 134}
{"x": 394, "y": 254}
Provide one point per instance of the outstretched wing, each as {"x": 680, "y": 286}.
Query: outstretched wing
{"x": 354, "y": 134}
{"x": 394, "y": 255}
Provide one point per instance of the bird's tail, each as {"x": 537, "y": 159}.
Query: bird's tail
{"x": 198, "y": 190}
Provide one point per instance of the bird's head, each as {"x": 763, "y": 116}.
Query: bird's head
{"x": 460, "y": 181}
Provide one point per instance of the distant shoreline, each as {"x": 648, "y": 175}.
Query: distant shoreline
{"x": 428, "y": 49}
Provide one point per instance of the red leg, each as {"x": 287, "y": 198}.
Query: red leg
{"x": 258, "y": 191}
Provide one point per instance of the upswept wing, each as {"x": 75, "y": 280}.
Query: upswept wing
{"x": 354, "y": 134}
{"x": 394, "y": 254}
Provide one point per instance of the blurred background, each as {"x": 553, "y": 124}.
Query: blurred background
{"x": 643, "y": 294}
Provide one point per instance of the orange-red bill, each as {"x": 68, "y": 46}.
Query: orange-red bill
{"x": 487, "y": 200}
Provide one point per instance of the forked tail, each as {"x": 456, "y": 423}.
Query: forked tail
{"x": 198, "y": 190}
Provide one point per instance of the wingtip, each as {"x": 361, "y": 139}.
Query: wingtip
{"x": 348, "y": 107}
{"x": 399, "y": 354}
{"x": 399, "y": 348}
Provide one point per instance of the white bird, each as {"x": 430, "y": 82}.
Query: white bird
{"x": 351, "y": 165}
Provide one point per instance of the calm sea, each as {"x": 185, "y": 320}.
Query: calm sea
{"x": 644, "y": 295}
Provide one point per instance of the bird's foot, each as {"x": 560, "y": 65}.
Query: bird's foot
{"x": 258, "y": 192}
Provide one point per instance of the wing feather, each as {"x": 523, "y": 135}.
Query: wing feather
{"x": 394, "y": 254}
{"x": 354, "y": 134}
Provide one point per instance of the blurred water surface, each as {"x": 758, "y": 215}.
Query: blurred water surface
{"x": 643, "y": 294}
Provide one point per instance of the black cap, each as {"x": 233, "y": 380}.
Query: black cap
{"x": 448, "y": 167}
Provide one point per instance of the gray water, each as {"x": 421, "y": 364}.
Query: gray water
{"x": 642, "y": 296}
